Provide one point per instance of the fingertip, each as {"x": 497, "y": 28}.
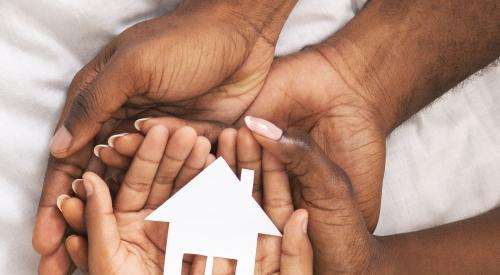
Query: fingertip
{"x": 263, "y": 128}
{"x": 60, "y": 200}
{"x": 159, "y": 130}
{"x": 48, "y": 231}
{"x": 210, "y": 158}
{"x": 296, "y": 226}
{"x": 112, "y": 139}
{"x": 203, "y": 143}
{"x": 90, "y": 182}
{"x": 139, "y": 124}
{"x": 60, "y": 143}
{"x": 77, "y": 247}
{"x": 73, "y": 210}
{"x": 57, "y": 263}
{"x": 187, "y": 131}
{"x": 229, "y": 133}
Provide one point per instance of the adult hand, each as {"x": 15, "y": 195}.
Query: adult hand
{"x": 341, "y": 241}
{"x": 307, "y": 91}
{"x": 206, "y": 59}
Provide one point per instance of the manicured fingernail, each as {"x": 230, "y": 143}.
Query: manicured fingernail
{"x": 263, "y": 127}
{"x": 61, "y": 141}
{"x": 60, "y": 200}
{"x": 98, "y": 148}
{"x": 88, "y": 187}
{"x": 137, "y": 123}
{"x": 111, "y": 139}
{"x": 74, "y": 185}
{"x": 304, "y": 223}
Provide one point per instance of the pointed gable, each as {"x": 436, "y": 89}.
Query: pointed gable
{"x": 216, "y": 198}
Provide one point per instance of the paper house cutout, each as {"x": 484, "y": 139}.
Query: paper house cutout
{"x": 214, "y": 215}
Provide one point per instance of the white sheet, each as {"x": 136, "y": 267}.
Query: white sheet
{"x": 440, "y": 167}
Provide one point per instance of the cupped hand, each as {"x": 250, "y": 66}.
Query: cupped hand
{"x": 313, "y": 93}
{"x": 119, "y": 240}
{"x": 204, "y": 60}
{"x": 340, "y": 238}
{"x": 240, "y": 150}
{"x": 320, "y": 96}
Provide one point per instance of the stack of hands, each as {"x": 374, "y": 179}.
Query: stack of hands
{"x": 184, "y": 79}
{"x": 152, "y": 168}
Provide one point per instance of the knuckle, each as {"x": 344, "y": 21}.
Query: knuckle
{"x": 301, "y": 142}
{"x": 80, "y": 110}
{"x": 138, "y": 185}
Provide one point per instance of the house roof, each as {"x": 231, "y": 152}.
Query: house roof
{"x": 216, "y": 198}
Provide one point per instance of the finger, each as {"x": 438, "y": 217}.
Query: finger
{"x": 179, "y": 147}
{"x": 77, "y": 248}
{"x": 277, "y": 200}
{"x": 296, "y": 249}
{"x": 73, "y": 212}
{"x": 58, "y": 263}
{"x": 198, "y": 265}
{"x": 208, "y": 129}
{"x": 126, "y": 144}
{"x": 194, "y": 163}
{"x": 223, "y": 266}
{"x": 50, "y": 226}
{"x": 210, "y": 159}
{"x": 95, "y": 165}
{"x": 325, "y": 189}
{"x": 110, "y": 157}
{"x": 226, "y": 147}
{"x": 91, "y": 107}
{"x": 249, "y": 155}
{"x": 137, "y": 183}
{"x": 322, "y": 181}
{"x": 102, "y": 230}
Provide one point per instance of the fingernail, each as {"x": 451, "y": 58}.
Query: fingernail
{"x": 263, "y": 127}
{"x": 111, "y": 139}
{"x": 137, "y": 123}
{"x": 75, "y": 183}
{"x": 60, "y": 199}
{"x": 61, "y": 141}
{"x": 304, "y": 223}
{"x": 88, "y": 187}
{"x": 98, "y": 148}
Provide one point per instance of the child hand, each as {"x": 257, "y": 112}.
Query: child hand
{"x": 119, "y": 240}
{"x": 296, "y": 257}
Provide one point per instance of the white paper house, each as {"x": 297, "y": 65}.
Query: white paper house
{"x": 214, "y": 215}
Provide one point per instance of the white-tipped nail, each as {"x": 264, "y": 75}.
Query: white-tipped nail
{"x": 60, "y": 199}
{"x": 137, "y": 123}
{"x": 75, "y": 183}
{"x": 111, "y": 139}
{"x": 263, "y": 127}
{"x": 98, "y": 148}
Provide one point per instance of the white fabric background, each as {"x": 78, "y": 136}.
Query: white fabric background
{"x": 442, "y": 164}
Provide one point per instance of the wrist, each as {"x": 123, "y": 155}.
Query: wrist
{"x": 253, "y": 19}
{"x": 382, "y": 260}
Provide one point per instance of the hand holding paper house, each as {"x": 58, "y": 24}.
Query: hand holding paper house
{"x": 214, "y": 215}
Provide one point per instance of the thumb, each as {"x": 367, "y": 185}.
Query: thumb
{"x": 296, "y": 249}
{"x": 323, "y": 180}
{"x": 102, "y": 229}
{"x": 89, "y": 109}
